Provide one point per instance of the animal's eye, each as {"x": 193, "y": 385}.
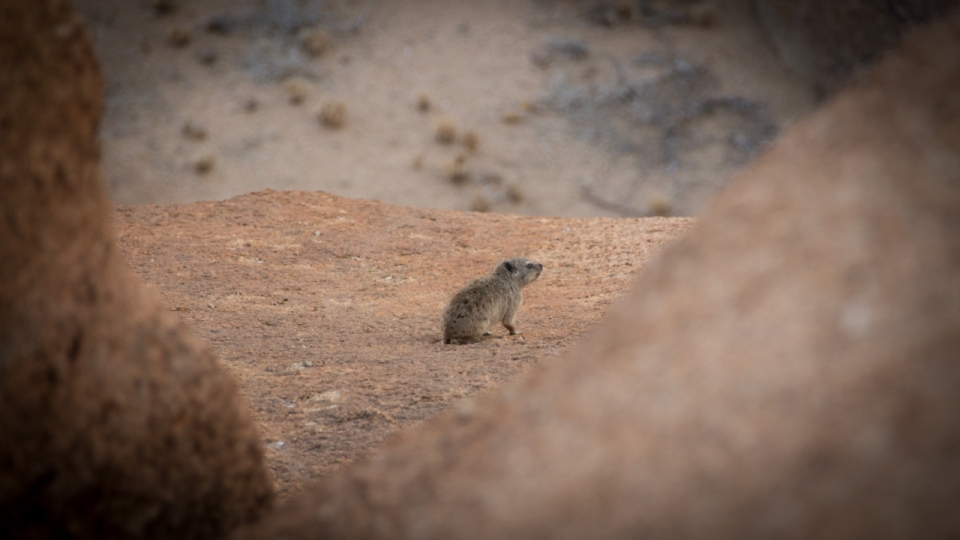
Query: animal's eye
{"x": 529, "y": 265}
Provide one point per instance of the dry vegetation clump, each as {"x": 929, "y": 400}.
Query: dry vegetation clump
{"x": 496, "y": 191}
{"x": 457, "y": 169}
{"x": 208, "y": 58}
{"x": 219, "y": 24}
{"x": 297, "y": 90}
{"x": 333, "y": 114}
{"x": 164, "y": 7}
{"x": 315, "y": 41}
{"x": 179, "y": 38}
{"x": 202, "y": 164}
{"x": 479, "y": 203}
{"x": 511, "y": 117}
{"x": 470, "y": 141}
{"x": 704, "y": 15}
{"x": 514, "y": 194}
{"x": 423, "y": 103}
{"x": 193, "y": 131}
{"x": 446, "y": 131}
{"x": 660, "y": 206}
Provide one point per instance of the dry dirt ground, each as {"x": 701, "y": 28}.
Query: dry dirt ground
{"x": 575, "y": 108}
{"x": 327, "y": 309}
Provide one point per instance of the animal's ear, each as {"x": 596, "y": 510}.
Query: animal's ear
{"x": 509, "y": 266}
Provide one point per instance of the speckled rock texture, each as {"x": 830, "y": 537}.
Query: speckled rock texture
{"x": 114, "y": 421}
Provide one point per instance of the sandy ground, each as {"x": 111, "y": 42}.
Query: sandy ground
{"x": 328, "y": 309}
{"x": 555, "y": 108}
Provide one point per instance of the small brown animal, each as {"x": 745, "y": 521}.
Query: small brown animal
{"x": 486, "y": 301}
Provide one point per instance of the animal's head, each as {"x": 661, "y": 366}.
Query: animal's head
{"x": 521, "y": 270}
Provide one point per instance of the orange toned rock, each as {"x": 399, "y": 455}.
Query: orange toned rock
{"x": 114, "y": 421}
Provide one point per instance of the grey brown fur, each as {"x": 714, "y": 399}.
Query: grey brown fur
{"x": 484, "y": 302}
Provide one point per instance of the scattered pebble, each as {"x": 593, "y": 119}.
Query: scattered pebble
{"x": 251, "y": 105}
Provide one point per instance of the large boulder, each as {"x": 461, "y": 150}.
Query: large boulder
{"x": 789, "y": 370}
{"x": 114, "y": 421}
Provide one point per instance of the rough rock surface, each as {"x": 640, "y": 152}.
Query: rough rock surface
{"x": 328, "y": 309}
{"x": 114, "y": 421}
{"x": 788, "y": 370}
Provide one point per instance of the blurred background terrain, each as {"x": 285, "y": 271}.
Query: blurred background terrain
{"x": 543, "y": 107}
